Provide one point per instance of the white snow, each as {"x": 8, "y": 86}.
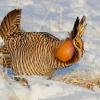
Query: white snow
{"x": 43, "y": 89}
{"x": 56, "y": 17}
{"x": 17, "y": 3}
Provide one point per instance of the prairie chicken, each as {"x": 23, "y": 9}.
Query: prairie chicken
{"x": 33, "y": 53}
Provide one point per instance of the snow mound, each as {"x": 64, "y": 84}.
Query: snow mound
{"x": 40, "y": 88}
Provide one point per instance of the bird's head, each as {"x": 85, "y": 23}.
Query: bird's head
{"x": 76, "y": 35}
{"x": 72, "y": 48}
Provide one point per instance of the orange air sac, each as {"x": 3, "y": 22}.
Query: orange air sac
{"x": 65, "y": 51}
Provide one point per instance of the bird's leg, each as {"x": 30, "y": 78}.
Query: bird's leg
{"x": 21, "y": 80}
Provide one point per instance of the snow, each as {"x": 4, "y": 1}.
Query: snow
{"x": 16, "y": 3}
{"x": 43, "y": 89}
{"x": 56, "y": 17}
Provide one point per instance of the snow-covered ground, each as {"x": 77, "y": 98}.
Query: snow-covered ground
{"x": 57, "y": 17}
{"x": 42, "y": 89}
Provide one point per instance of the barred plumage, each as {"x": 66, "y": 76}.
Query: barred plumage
{"x": 33, "y": 52}
{"x": 10, "y": 23}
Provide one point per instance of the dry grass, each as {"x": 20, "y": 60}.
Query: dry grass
{"x": 84, "y": 80}
{"x": 87, "y": 81}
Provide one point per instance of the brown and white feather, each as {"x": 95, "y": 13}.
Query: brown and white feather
{"x": 33, "y": 52}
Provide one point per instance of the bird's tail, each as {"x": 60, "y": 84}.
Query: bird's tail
{"x": 10, "y": 23}
{"x": 79, "y": 27}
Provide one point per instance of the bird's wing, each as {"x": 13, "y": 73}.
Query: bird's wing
{"x": 5, "y": 59}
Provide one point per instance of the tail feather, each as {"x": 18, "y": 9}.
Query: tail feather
{"x": 10, "y": 23}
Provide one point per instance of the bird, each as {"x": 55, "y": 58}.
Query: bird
{"x": 39, "y": 53}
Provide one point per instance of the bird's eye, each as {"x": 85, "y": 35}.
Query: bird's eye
{"x": 78, "y": 44}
